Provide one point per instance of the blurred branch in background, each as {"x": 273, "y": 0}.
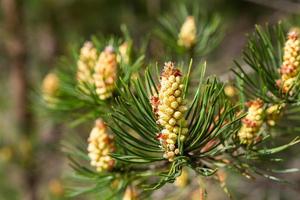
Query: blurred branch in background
{"x": 16, "y": 50}
{"x": 15, "y": 43}
{"x": 283, "y": 5}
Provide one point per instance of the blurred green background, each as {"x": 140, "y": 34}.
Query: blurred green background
{"x": 34, "y": 33}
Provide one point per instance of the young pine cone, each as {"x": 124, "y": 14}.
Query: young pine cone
{"x": 105, "y": 74}
{"x": 170, "y": 109}
{"x": 100, "y": 146}
{"x": 291, "y": 63}
{"x": 188, "y": 33}
{"x": 86, "y": 63}
{"x": 252, "y": 123}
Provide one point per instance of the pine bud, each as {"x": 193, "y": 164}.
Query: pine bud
{"x": 230, "y": 91}
{"x": 188, "y": 33}
{"x": 86, "y": 63}
{"x": 252, "y": 122}
{"x": 56, "y": 187}
{"x": 170, "y": 110}
{"x": 183, "y": 179}
{"x": 100, "y": 146}
{"x": 105, "y": 74}
{"x": 291, "y": 63}
{"x": 130, "y": 193}
{"x": 50, "y": 87}
{"x": 123, "y": 53}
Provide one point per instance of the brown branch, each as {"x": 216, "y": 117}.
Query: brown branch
{"x": 16, "y": 50}
{"x": 15, "y": 43}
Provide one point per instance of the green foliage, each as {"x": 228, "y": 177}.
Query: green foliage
{"x": 213, "y": 122}
{"x": 263, "y": 54}
{"x": 208, "y": 36}
{"x": 83, "y": 103}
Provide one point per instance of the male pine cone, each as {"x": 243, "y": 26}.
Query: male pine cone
{"x": 274, "y": 113}
{"x": 100, "y": 146}
{"x": 291, "y": 63}
{"x": 169, "y": 106}
{"x": 252, "y": 123}
{"x": 105, "y": 74}
{"x": 86, "y": 63}
{"x": 188, "y": 33}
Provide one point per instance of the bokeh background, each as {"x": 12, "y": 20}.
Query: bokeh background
{"x": 35, "y": 33}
